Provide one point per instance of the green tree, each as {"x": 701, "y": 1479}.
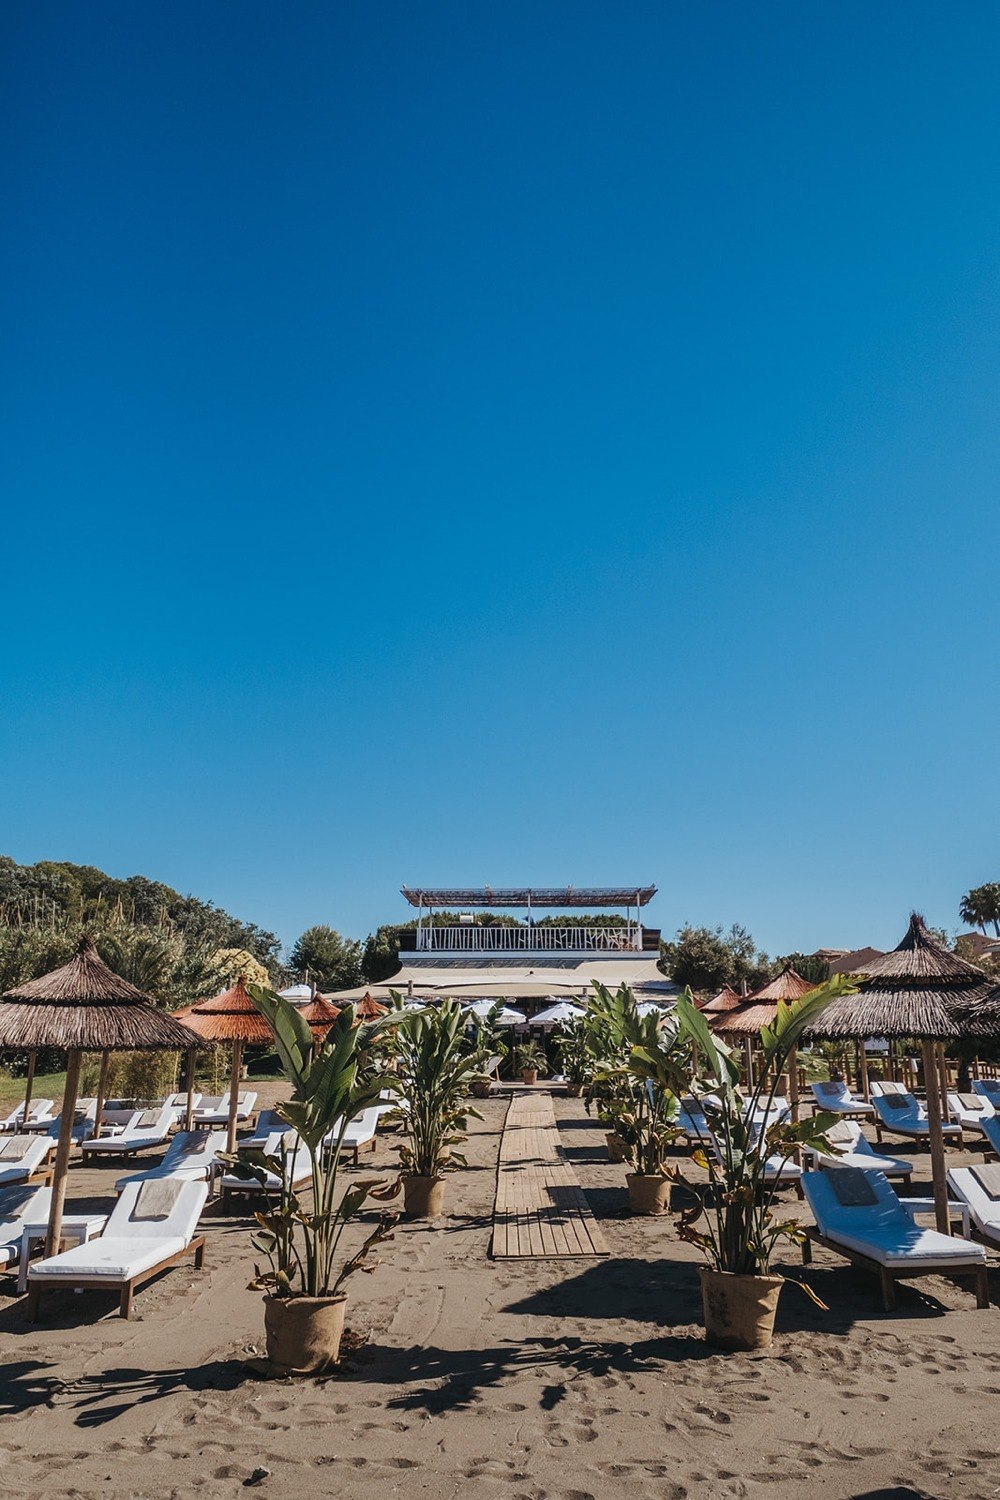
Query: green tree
{"x": 981, "y": 905}
{"x": 706, "y": 958}
{"x": 331, "y": 961}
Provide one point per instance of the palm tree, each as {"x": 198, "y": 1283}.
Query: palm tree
{"x": 975, "y": 908}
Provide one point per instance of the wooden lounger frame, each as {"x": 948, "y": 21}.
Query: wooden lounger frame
{"x": 105, "y": 1283}
{"x": 889, "y": 1275}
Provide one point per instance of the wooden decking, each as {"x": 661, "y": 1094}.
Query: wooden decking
{"x": 540, "y": 1209}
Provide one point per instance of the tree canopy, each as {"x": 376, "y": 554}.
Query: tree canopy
{"x": 329, "y": 960}
{"x": 706, "y": 958}
{"x": 981, "y": 906}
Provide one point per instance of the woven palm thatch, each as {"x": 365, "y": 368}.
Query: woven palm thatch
{"x": 726, "y": 1000}
{"x": 919, "y": 990}
{"x": 229, "y": 1017}
{"x": 368, "y": 1009}
{"x": 761, "y": 1008}
{"x": 85, "y": 1006}
{"x": 319, "y": 1016}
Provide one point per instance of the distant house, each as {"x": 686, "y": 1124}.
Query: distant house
{"x": 848, "y": 960}
{"x": 978, "y": 945}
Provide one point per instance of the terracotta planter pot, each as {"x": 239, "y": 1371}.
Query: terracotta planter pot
{"x": 616, "y": 1147}
{"x": 481, "y": 1090}
{"x": 648, "y": 1195}
{"x": 423, "y": 1197}
{"x": 574, "y": 1090}
{"x": 303, "y": 1333}
{"x": 739, "y": 1310}
{"x": 529, "y": 1075}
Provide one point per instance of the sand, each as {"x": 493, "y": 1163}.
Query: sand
{"x": 516, "y": 1380}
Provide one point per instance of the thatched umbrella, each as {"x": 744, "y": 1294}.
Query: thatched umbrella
{"x": 83, "y": 1007}
{"x": 230, "y": 1017}
{"x": 368, "y": 1009}
{"x": 919, "y": 990}
{"x": 319, "y": 1015}
{"x": 726, "y": 1000}
{"x": 759, "y": 1010}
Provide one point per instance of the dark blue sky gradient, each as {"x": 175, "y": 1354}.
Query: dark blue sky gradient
{"x": 533, "y": 443}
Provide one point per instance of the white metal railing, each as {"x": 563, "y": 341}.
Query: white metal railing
{"x": 476, "y": 938}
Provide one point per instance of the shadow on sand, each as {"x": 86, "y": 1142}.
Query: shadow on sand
{"x": 96, "y": 1399}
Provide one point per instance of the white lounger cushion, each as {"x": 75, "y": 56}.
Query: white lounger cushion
{"x": 152, "y": 1127}
{"x": 130, "y": 1245}
{"x": 17, "y": 1207}
{"x": 838, "y": 1099}
{"x": 985, "y": 1211}
{"x": 117, "y": 1259}
{"x": 189, "y": 1157}
{"x": 909, "y": 1121}
{"x": 883, "y": 1230}
{"x": 988, "y": 1088}
{"x": 297, "y": 1164}
{"x": 39, "y": 1109}
{"x": 20, "y": 1155}
{"x": 856, "y": 1151}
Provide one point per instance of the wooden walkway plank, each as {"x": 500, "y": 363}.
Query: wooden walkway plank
{"x": 541, "y": 1211}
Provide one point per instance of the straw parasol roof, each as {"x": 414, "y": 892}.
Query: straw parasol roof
{"x": 726, "y": 1000}
{"x": 919, "y": 990}
{"x": 84, "y": 1006}
{"x": 368, "y": 1009}
{"x": 319, "y": 1015}
{"x": 229, "y": 1017}
{"x": 761, "y": 1008}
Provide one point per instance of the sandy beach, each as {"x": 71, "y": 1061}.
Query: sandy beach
{"x": 522, "y": 1380}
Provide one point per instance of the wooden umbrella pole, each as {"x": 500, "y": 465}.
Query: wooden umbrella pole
{"x": 748, "y": 1051}
{"x": 102, "y": 1093}
{"x": 793, "y": 1083}
{"x": 866, "y": 1091}
{"x": 189, "y": 1110}
{"x": 944, "y": 1082}
{"x": 938, "y": 1171}
{"x": 63, "y": 1149}
{"x": 29, "y": 1084}
{"x": 234, "y": 1096}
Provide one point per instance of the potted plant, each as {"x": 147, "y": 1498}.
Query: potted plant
{"x": 652, "y": 1072}
{"x": 435, "y": 1069}
{"x": 304, "y": 1301}
{"x": 530, "y": 1058}
{"x": 486, "y": 1041}
{"x": 574, "y": 1056}
{"x": 736, "y": 1226}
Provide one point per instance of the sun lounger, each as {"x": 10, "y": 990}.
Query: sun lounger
{"x": 969, "y": 1111}
{"x": 83, "y": 1123}
{"x": 979, "y": 1189}
{"x": 18, "y": 1206}
{"x": 152, "y": 1226}
{"x": 297, "y": 1169}
{"x": 838, "y": 1099}
{"x": 39, "y": 1115}
{"x": 988, "y": 1088}
{"x": 691, "y": 1123}
{"x": 22, "y": 1159}
{"x": 179, "y": 1102}
{"x": 881, "y": 1088}
{"x": 779, "y": 1171}
{"x": 904, "y": 1115}
{"x": 853, "y": 1150}
{"x": 268, "y": 1121}
{"x": 190, "y": 1157}
{"x": 859, "y": 1217}
{"x": 359, "y": 1135}
{"x": 216, "y": 1111}
{"x": 150, "y": 1127}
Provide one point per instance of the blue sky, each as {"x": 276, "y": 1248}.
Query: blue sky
{"x": 539, "y": 443}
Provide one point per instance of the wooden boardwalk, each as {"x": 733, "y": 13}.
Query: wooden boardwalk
{"x": 540, "y": 1210}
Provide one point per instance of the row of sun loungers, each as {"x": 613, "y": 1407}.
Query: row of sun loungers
{"x": 154, "y": 1222}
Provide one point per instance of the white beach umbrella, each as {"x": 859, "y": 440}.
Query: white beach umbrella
{"x": 555, "y": 1015}
{"x": 507, "y": 1016}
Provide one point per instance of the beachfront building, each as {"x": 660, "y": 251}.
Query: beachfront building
{"x": 510, "y": 945}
